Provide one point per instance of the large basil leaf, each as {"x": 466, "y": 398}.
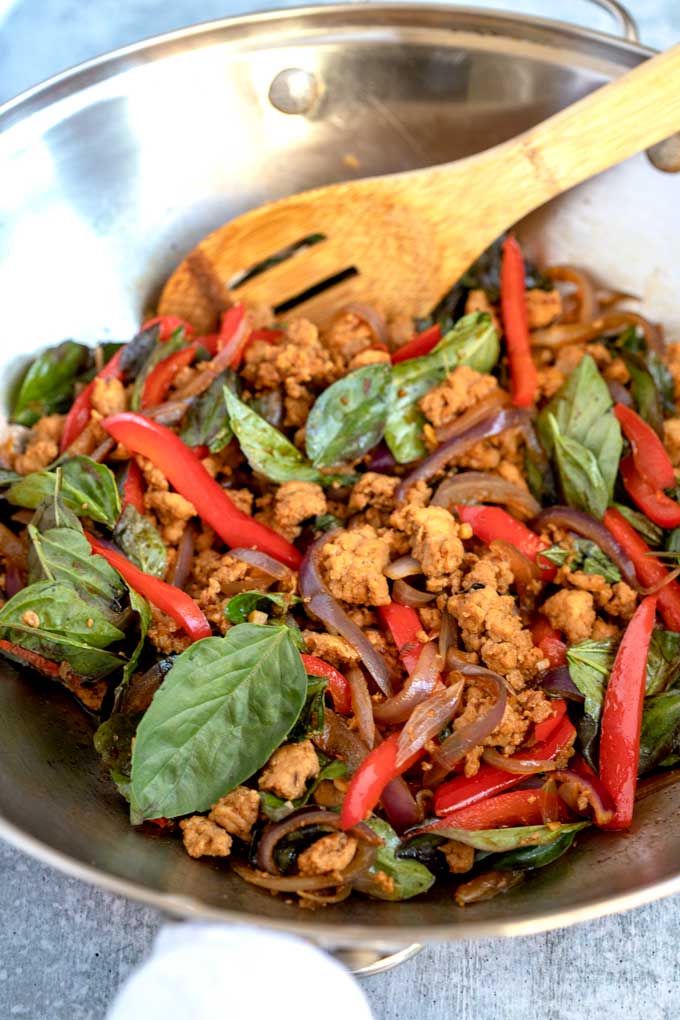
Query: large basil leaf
{"x": 497, "y": 840}
{"x": 660, "y": 736}
{"x": 409, "y": 877}
{"x": 87, "y": 488}
{"x": 206, "y": 423}
{"x": 473, "y": 341}
{"x": 70, "y": 628}
{"x": 577, "y": 428}
{"x": 267, "y": 450}
{"x": 48, "y": 383}
{"x": 348, "y": 419}
{"x": 530, "y": 857}
{"x": 159, "y": 352}
{"x": 585, "y": 556}
{"x": 590, "y": 664}
{"x": 223, "y": 708}
{"x": 139, "y": 539}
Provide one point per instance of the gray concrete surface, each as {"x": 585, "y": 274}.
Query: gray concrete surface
{"x": 66, "y": 947}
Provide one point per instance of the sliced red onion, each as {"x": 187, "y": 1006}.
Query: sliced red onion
{"x": 337, "y": 740}
{"x": 494, "y": 425}
{"x": 406, "y": 595}
{"x": 360, "y": 863}
{"x": 489, "y": 404}
{"x": 463, "y": 740}
{"x": 405, "y": 566}
{"x": 232, "y": 348}
{"x": 609, "y": 324}
{"x": 11, "y": 546}
{"x": 400, "y": 805}
{"x": 185, "y": 557}
{"x": 381, "y": 460}
{"x": 362, "y": 706}
{"x": 300, "y": 819}
{"x": 171, "y": 412}
{"x": 517, "y": 766}
{"x": 263, "y": 562}
{"x": 370, "y": 315}
{"x": 550, "y": 802}
{"x": 588, "y": 527}
{"x": 481, "y": 487}
{"x": 619, "y": 393}
{"x": 103, "y": 450}
{"x": 428, "y": 719}
{"x": 588, "y": 307}
{"x": 526, "y": 573}
{"x": 320, "y": 603}
{"x": 15, "y": 579}
{"x": 448, "y": 634}
{"x": 575, "y": 785}
{"x": 558, "y": 681}
{"x": 419, "y": 686}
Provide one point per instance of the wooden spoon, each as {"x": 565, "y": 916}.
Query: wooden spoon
{"x": 411, "y": 235}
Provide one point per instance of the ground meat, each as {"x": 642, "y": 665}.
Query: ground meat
{"x": 203, "y": 838}
{"x": 490, "y": 569}
{"x": 459, "y": 856}
{"x": 373, "y": 491}
{"x": 348, "y": 336}
{"x": 617, "y": 599}
{"x": 435, "y": 543}
{"x": 330, "y": 854}
{"x": 331, "y": 648}
{"x": 477, "y": 301}
{"x": 165, "y": 635}
{"x": 296, "y": 502}
{"x": 352, "y": 564}
{"x": 673, "y": 362}
{"x": 287, "y": 771}
{"x": 543, "y": 307}
{"x": 237, "y": 812}
{"x": 298, "y": 361}
{"x": 617, "y": 371}
{"x": 573, "y": 612}
{"x": 493, "y": 454}
{"x": 173, "y": 512}
{"x": 490, "y": 625}
{"x": 523, "y": 709}
{"x": 327, "y": 794}
{"x": 153, "y": 476}
{"x": 548, "y": 381}
{"x": 461, "y": 390}
{"x": 108, "y": 396}
{"x": 43, "y": 445}
{"x": 242, "y": 498}
{"x": 603, "y": 629}
{"x": 369, "y": 357}
{"x": 570, "y": 356}
{"x": 671, "y": 433}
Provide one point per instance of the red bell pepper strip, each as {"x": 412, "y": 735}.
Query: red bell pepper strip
{"x": 622, "y": 714}
{"x": 166, "y": 597}
{"x": 549, "y": 641}
{"x": 519, "y": 807}
{"x": 186, "y": 473}
{"x": 422, "y": 344}
{"x": 168, "y": 324}
{"x": 649, "y": 453}
{"x": 81, "y": 408}
{"x": 649, "y": 570}
{"x": 523, "y": 375}
{"x": 133, "y": 487}
{"x": 460, "y": 791}
{"x": 654, "y": 503}
{"x": 404, "y": 625}
{"x": 337, "y": 684}
{"x": 490, "y": 522}
{"x": 544, "y": 730}
{"x": 376, "y": 771}
{"x": 160, "y": 378}
{"x": 234, "y": 334}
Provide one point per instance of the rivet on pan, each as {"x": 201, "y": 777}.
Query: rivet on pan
{"x": 666, "y": 155}
{"x": 293, "y": 90}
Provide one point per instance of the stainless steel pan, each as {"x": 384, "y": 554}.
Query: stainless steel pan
{"x": 111, "y": 172}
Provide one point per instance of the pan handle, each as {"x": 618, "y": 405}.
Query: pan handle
{"x": 623, "y": 18}
{"x": 364, "y": 962}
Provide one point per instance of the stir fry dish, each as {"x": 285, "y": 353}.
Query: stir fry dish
{"x": 367, "y": 608}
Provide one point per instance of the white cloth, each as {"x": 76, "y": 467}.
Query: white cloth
{"x": 215, "y": 972}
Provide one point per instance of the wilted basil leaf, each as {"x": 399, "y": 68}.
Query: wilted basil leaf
{"x": 643, "y": 389}
{"x": 473, "y": 341}
{"x": 660, "y": 736}
{"x": 206, "y": 423}
{"x": 651, "y": 533}
{"x": 585, "y": 556}
{"x": 88, "y": 488}
{"x": 139, "y": 539}
{"x": 530, "y": 857}
{"x": 348, "y": 419}
{"x": 137, "y": 352}
{"x": 409, "y": 878}
{"x": 241, "y": 606}
{"x": 496, "y": 840}
{"x": 223, "y": 708}
{"x": 48, "y": 384}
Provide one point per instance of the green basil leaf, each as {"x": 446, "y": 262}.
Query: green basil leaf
{"x": 267, "y": 450}
{"x": 206, "y": 423}
{"x": 139, "y": 539}
{"x": 325, "y": 522}
{"x": 473, "y": 341}
{"x": 496, "y": 840}
{"x": 585, "y": 556}
{"x": 310, "y": 722}
{"x": 141, "y": 607}
{"x": 8, "y": 478}
{"x": 590, "y": 664}
{"x": 660, "y": 735}
{"x": 159, "y": 352}
{"x": 88, "y": 488}
{"x": 348, "y": 419}
{"x": 241, "y": 606}
{"x": 663, "y": 380}
{"x": 651, "y": 533}
{"x": 113, "y": 742}
{"x": 530, "y": 857}
{"x": 409, "y": 878}
{"x": 223, "y": 708}
{"x": 663, "y": 661}
{"x": 582, "y": 482}
{"x": 644, "y": 392}
{"x": 48, "y": 384}
{"x": 71, "y": 628}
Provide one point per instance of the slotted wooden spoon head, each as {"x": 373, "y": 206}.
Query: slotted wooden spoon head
{"x": 408, "y": 237}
